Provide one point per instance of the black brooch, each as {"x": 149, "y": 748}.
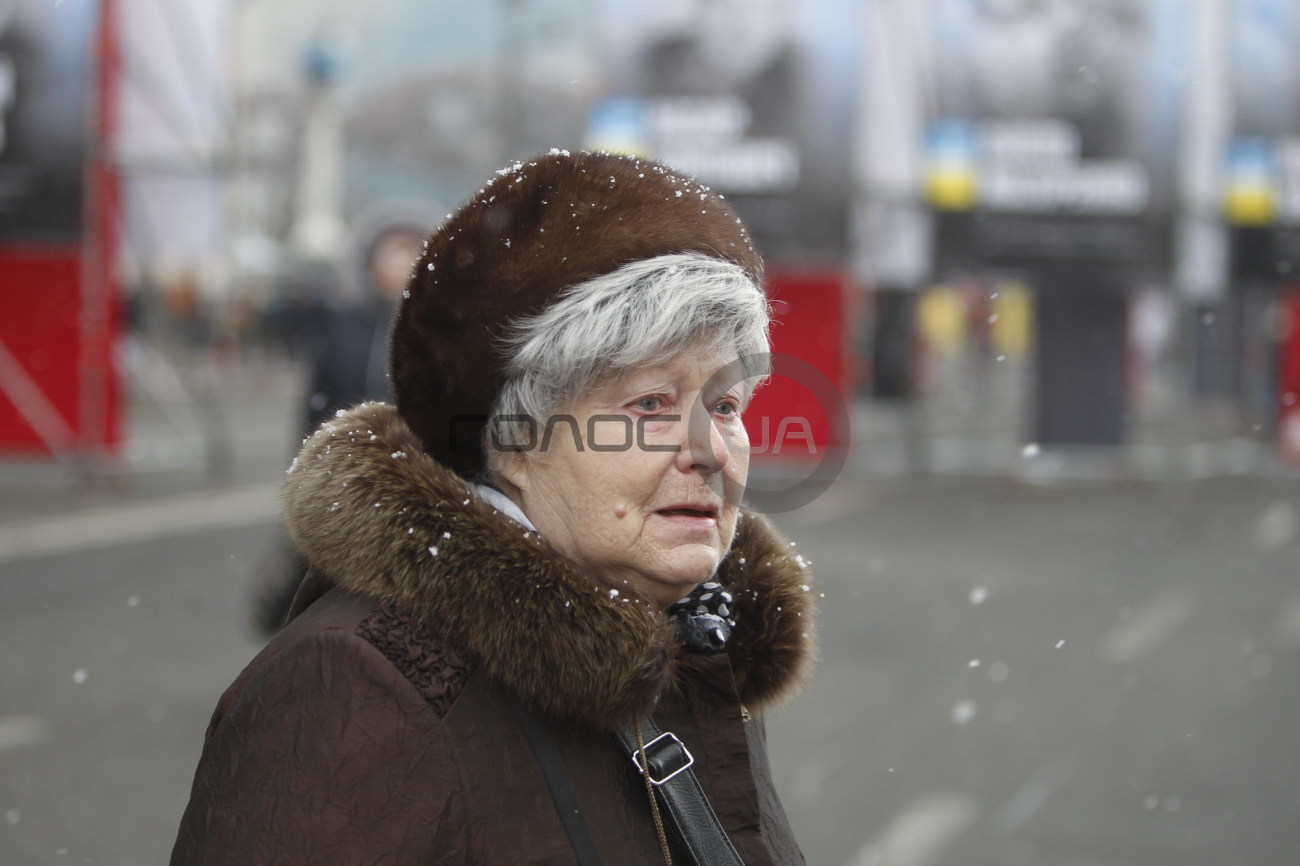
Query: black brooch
{"x": 704, "y": 618}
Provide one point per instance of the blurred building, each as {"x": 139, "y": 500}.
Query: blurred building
{"x": 927, "y": 155}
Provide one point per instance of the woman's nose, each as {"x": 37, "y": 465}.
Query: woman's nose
{"x": 706, "y": 449}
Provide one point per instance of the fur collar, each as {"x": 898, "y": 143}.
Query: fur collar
{"x": 380, "y": 517}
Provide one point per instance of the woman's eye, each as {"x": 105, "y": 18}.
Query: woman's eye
{"x": 727, "y": 407}
{"x": 649, "y": 404}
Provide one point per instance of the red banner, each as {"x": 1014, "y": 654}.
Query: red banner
{"x": 1288, "y": 415}
{"x": 802, "y": 413}
{"x": 45, "y": 361}
{"x": 60, "y": 390}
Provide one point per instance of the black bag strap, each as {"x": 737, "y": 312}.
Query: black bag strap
{"x": 557, "y": 781}
{"x": 692, "y": 823}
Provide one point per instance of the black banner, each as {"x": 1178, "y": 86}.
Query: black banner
{"x": 1047, "y": 143}
{"x": 46, "y": 56}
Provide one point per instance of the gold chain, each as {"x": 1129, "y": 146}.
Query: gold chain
{"x": 649, "y": 789}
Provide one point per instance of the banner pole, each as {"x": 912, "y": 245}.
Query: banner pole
{"x": 99, "y": 388}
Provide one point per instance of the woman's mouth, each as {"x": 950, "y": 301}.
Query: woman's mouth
{"x": 690, "y": 512}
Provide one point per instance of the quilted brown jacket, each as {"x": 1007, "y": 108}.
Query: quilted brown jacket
{"x": 377, "y": 727}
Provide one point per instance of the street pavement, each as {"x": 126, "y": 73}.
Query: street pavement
{"x": 1014, "y": 670}
{"x": 1093, "y": 676}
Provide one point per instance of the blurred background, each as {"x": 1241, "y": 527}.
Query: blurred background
{"x": 1034, "y": 420}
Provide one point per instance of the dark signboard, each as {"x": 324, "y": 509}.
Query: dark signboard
{"x": 45, "y": 79}
{"x": 1262, "y": 168}
{"x": 752, "y": 97}
{"x": 1050, "y": 135}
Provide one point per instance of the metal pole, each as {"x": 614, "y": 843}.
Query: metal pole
{"x": 96, "y": 383}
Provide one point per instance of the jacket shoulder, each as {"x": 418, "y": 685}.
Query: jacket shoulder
{"x": 436, "y": 667}
{"x": 433, "y": 665}
{"x": 323, "y": 754}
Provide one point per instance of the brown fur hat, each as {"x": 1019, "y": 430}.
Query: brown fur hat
{"x": 536, "y": 229}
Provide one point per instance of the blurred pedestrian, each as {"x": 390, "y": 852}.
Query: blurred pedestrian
{"x": 349, "y": 364}
{"x": 350, "y": 361}
{"x": 532, "y": 560}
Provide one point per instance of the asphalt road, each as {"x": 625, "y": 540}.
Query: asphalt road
{"x": 1102, "y": 676}
{"x": 1092, "y": 676}
{"x": 112, "y": 661}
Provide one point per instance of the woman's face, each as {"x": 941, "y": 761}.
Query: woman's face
{"x": 645, "y": 497}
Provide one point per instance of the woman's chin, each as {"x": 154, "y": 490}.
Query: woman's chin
{"x": 676, "y": 580}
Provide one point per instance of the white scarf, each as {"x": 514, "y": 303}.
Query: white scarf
{"x": 503, "y": 503}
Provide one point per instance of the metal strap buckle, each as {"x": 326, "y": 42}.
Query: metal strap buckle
{"x": 642, "y": 760}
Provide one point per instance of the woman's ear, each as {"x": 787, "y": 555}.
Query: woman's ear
{"x": 510, "y": 472}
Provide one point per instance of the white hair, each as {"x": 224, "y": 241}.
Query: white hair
{"x": 642, "y": 314}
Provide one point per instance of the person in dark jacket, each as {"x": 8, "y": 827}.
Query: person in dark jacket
{"x": 349, "y": 364}
{"x": 536, "y": 550}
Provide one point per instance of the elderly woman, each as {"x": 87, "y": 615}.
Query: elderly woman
{"x": 534, "y": 563}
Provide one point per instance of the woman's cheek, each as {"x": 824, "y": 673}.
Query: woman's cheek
{"x": 653, "y": 431}
{"x": 736, "y": 435}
